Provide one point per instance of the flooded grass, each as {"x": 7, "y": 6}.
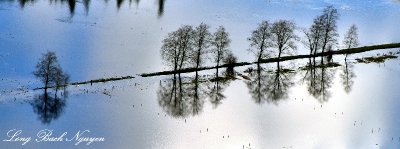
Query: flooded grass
{"x": 375, "y": 59}
{"x": 328, "y": 65}
{"x": 101, "y": 80}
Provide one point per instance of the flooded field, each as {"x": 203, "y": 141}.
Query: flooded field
{"x": 199, "y": 74}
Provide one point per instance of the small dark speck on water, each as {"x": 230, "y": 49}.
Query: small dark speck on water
{"x": 207, "y": 129}
{"x": 141, "y": 104}
{"x": 223, "y": 136}
{"x": 185, "y": 120}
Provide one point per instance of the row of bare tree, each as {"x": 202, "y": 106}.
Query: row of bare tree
{"x": 187, "y": 46}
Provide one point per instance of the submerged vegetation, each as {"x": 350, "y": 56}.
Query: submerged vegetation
{"x": 375, "y": 59}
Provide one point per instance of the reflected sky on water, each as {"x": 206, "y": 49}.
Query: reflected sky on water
{"x": 118, "y": 38}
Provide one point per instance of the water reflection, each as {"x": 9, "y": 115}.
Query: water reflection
{"x": 86, "y": 4}
{"x": 185, "y": 96}
{"x": 22, "y": 3}
{"x": 48, "y": 107}
{"x": 347, "y": 75}
{"x": 71, "y": 4}
{"x": 119, "y": 3}
{"x": 270, "y": 87}
{"x": 181, "y": 97}
{"x": 215, "y": 89}
{"x": 160, "y": 7}
{"x": 319, "y": 79}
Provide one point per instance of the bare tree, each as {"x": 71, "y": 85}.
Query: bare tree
{"x": 220, "y": 44}
{"x": 313, "y": 35}
{"x": 329, "y": 36}
{"x": 49, "y": 71}
{"x": 201, "y": 42}
{"x": 351, "y": 37}
{"x": 283, "y": 37}
{"x": 322, "y": 35}
{"x": 61, "y": 79}
{"x": 260, "y": 40}
{"x": 177, "y": 47}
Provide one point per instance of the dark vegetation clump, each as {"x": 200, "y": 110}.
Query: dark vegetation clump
{"x": 375, "y": 59}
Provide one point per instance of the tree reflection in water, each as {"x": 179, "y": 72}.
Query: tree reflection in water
{"x": 49, "y": 108}
{"x": 185, "y": 96}
{"x": 347, "y": 75}
{"x": 86, "y": 3}
{"x": 270, "y": 87}
{"x": 177, "y": 97}
{"x": 319, "y": 79}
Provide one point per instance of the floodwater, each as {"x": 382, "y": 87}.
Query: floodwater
{"x": 354, "y": 105}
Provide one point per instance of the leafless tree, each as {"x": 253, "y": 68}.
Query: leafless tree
{"x": 347, "y": 76}
{"x": 260, "y": 40}
{"x": 220, "y": 45}
{"x": 322, "y": 35}
{"x": 49, "y": 71}
{"x": 329, "y": 36}
{"x": 283, "y": 37}
{"x": 201, "y": 42}
{"x": 351, "y": 37}
{"x": 61, "y": 79}
{"x": 177, "y": 47}
{"x": 313, "y": 35}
